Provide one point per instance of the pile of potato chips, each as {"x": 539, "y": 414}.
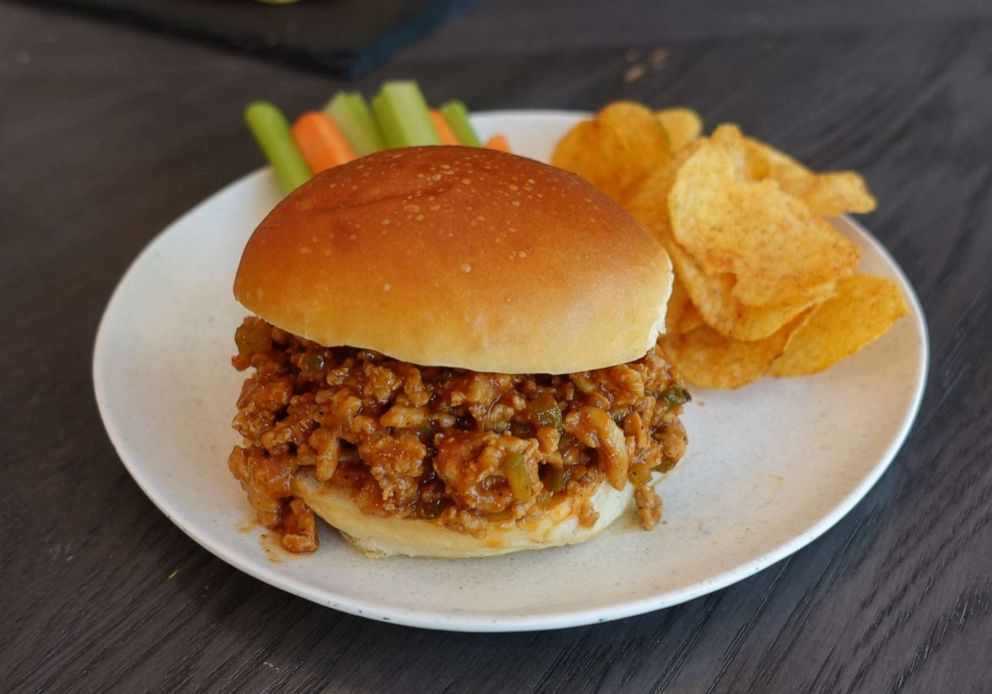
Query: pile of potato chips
{"x": 763, "y": 282}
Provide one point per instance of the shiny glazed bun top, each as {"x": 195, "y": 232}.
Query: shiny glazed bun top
{"x": 461, "y": 257}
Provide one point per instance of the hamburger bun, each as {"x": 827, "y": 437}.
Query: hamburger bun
{"x": 460, "y": 257}
{"x": 377, "y": 536}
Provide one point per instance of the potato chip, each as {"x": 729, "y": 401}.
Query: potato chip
{"x": 678, "y": 304}
{"x": 827, "y": 194}
{"x": 616, "y": 150}
{"x": 863, "y": 309}
{"x": 711, "y": 295}
{"x": 762, "y": 281}
{"x": 836, "y": 193}
{"x": 711, "y": 360}
{"x": 681, "y": 316}
{"x": 648, "y": 202}
{"x": 649, "y": 207}
{"x": 776, "y": 249}
{"x": 713, "y": 298}
{"x": 682, "y": 125}
{"x": 690, "y": 319}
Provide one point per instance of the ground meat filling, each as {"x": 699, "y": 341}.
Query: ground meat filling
{"x": 460, "y": 447}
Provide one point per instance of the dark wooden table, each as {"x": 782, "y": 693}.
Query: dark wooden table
{"x": 108, "y": 133}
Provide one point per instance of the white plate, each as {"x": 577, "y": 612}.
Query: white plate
{"x": 769, "y": 468}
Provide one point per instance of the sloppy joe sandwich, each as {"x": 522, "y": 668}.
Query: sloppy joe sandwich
{"x": 453, "y": 353}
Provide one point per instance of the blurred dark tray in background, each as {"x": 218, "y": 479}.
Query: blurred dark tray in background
{"x": 346, "y": 37}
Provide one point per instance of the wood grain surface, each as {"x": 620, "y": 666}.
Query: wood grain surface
{"x": 108, "y": 133}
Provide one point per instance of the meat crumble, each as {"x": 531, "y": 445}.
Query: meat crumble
{"x": 460, "y": 447}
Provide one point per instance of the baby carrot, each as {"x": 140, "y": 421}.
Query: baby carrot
{"x": 322, "y": 143}
{"x": 443, "y": 129}
{"x": 498, "y": 142}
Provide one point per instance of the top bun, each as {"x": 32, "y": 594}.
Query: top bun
{"x": 461, "y": 257}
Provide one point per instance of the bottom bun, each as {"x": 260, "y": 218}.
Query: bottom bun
{"x": 384, "y": 537}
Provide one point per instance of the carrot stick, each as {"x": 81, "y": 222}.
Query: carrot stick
{"x": 443, "y": 129}
{"x": 498, "y": 142}
{"x": 321, "y": 141}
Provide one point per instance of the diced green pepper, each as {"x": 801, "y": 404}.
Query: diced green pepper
{"x": 252, "y": 337}
{"x": 546, "y": 411}
{"x": 515, "y": 471}
{"x": 675, "y": 396}
{"x": 313, "y": 362}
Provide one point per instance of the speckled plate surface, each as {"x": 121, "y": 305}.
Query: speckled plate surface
{"x": 769, "y": 468}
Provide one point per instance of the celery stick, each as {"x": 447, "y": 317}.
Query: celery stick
{"x": 271, "y": 130}
{"x": 457, "y": 116}
{"x": 403, "y": 115}
{"x": 352, "y": 114}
